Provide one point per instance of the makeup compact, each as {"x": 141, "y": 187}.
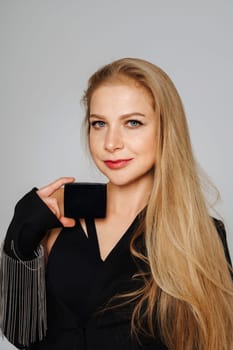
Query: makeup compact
{"x": 85, "y": 200}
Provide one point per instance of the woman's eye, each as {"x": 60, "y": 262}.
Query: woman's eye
{"x": 97, "y": 124}
{"x": 134, "y": 123}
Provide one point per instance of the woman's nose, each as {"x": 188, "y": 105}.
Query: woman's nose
{"x": 113, "y": 140}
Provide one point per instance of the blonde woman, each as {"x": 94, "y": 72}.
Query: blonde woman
{"x": 154, "y": 272}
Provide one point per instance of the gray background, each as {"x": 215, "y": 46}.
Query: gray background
{"x": 50, "y": 47}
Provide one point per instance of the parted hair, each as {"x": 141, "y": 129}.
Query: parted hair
{"x": 189, "y": 286}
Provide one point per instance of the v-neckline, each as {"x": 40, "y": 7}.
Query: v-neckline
{"x": 92, "y": 234}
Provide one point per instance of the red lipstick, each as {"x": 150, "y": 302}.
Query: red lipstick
{"x": 117, "y": 164}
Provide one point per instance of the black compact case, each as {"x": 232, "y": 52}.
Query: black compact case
{"x": 85, "y": 200}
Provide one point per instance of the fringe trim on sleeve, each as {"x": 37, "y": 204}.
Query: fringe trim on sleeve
{"x": 22, "y": 298}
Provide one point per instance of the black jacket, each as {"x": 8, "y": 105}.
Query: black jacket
{"x": 93, "y": 327}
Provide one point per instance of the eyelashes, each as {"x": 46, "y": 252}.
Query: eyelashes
{"x": 97, "y": 124}
{"x": 132, "y": 124}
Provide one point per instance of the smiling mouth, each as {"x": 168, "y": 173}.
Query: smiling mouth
{"x": 117, "y": 164}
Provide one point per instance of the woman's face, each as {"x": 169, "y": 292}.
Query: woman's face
{"x": 122, "y": 134}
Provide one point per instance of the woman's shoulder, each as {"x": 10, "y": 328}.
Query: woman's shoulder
{"x": 223, "y": 236}
{"x": 220, "y": 227}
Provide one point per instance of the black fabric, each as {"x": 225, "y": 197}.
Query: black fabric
{"x": 85, "y": 200}
{"x": 79, "y": 284}
{"x": 222, "y": 234}
{"x": 31, "y": 221}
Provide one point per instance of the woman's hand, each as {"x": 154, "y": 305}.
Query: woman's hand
{"x": 53, "y": 196}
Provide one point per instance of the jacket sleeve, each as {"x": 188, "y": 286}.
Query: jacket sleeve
{"x": 22, "y": 272}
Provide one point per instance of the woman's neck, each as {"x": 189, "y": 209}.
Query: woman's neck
{"x": 129, "y": 199}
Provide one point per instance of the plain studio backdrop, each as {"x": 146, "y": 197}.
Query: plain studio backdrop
{"x": 49, "y": 48}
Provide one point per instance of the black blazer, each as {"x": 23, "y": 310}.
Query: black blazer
{"x": 108, "y": 329}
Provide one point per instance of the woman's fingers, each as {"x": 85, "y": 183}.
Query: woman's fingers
{"x": 48, "y": 190}
{"x": 67, "y": 222}
{"x": 53, "y": 196}
{"x": 53, "y": 206}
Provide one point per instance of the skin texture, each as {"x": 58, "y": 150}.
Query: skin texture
{"x": 122, "y": 127}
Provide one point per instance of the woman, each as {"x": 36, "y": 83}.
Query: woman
{"x": 155, "y": 272}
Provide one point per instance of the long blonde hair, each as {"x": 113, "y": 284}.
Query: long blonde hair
{"x": 189, "y": 287}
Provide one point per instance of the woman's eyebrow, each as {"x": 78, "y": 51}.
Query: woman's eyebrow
{"x": 123, "y": 116}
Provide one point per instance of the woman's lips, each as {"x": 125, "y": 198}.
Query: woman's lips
{"x": 117, "y": 164}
